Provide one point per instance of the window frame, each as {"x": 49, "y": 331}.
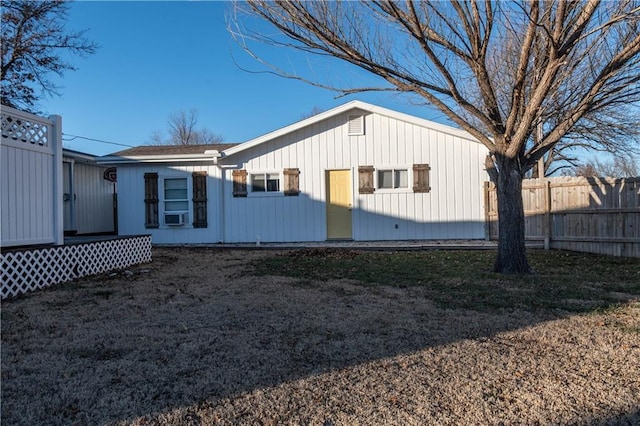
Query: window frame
{"x": 266, "y": 192}
{"x": 393, "y": 170}
{"x": 163, "y": 200}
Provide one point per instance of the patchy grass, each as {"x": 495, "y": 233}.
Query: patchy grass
{"x": 574, "y": 282}
{"x": 197, "y": 338}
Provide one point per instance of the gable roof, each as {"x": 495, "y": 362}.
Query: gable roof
{"x": 359, "y": 105}
{"x": 164, "y": 153}
{"x": 170, "y": 153}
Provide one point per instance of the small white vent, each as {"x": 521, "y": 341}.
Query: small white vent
{"x": 175, "y": 219}
{"x": 356, "y": 125}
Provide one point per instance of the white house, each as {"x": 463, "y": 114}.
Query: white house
{"x": 48, "y": 190}
{"x": 43, "y": 189}
{"x": 357, "y": 172}
{"x": 89, "y": 192}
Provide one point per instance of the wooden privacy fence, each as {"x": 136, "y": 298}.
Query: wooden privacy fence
{"x": 596, "y": 215}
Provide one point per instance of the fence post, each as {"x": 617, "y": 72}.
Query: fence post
{"x": 58, "y": 188}
{"x": 487, "y": 223}
{"x": 547, "y": 214}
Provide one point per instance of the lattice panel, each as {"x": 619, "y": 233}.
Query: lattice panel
{"x": 28, "y": 270}
{"x": 24, "y": 130}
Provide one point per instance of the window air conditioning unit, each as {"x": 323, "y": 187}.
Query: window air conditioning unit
{"x": 175, "y": 219}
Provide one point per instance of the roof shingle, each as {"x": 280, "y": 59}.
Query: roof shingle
{"x": 145, "y": 150}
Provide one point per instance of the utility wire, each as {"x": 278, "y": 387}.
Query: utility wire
{"x": 74, "y": 137}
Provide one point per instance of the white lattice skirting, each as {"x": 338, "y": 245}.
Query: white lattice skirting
{"x": 32, "y": 269}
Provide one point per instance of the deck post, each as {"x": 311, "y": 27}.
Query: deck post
{"x": 58, "y": 183}
{"x": 547, "y": 214}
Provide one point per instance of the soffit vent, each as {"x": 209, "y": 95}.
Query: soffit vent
{"x": 356, "y": 125}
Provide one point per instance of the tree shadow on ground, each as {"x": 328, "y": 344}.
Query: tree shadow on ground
{"x": 196, "y": 328}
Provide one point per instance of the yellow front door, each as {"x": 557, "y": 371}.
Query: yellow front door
{"x": 339, "y": 204}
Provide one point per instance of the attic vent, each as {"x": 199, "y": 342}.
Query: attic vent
{"x": 356, "y": 125}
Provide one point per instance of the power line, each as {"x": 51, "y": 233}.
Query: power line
{"x": 74, "y": 137}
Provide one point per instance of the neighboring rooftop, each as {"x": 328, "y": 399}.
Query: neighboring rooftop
{"x": 146, "y": 150}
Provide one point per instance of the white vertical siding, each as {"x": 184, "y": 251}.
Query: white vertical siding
{"x": 131, "y": 206}
{"x": 27, "y": 197}
{"x": 131, "y": 200}
{"x": 453, "y": 209}
{"x": 94, "y": 199}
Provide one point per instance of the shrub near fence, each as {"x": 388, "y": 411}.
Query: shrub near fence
{"x": 596, "y": 215}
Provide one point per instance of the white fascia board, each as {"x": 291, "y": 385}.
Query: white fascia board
{"x": 422, "y": 122}
{"x": 155, "y": 159}
{"x": 293, "y": 127}
{"x": 341, "y": 109}
{"x": 78, "y": 156}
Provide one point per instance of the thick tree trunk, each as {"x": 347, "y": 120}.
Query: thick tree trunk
{"x": 512, "y": 256}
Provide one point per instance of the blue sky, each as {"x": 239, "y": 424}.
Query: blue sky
{"x": 161, "y": 57}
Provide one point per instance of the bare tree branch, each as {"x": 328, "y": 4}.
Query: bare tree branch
{"x": 618, "y": 166}
{"x": 523, "y": 77}
{"x": 33, "y": 42}
{"x": 182, "y": 130}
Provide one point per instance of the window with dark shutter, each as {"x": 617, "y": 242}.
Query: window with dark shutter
{"x": 365, "y": 179}
{"x": 421, "y": 178}
{"x": 291, "y": 181}
{"x": 199, "y": 199}
{"x": 239, "y": 183}
{"x": 151, "y": 200}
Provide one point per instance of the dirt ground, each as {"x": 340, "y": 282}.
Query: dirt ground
{"x": 194, "y": 338}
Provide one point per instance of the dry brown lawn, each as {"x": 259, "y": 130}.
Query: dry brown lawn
{"x": 197, "y": 338}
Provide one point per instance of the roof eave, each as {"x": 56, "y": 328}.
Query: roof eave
{"x": 78, "y": 156}
{"x": 293, "y": 127}
{"x": 110, "y": 159}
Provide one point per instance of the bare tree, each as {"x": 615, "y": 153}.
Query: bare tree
{"x": 314, "y": 111}
{"x": 33, "y": 44}
{"x": 499, "y": 70}
{"x": 618, "y": 166}
{"x": 182, "y": 130}
{"x": 612, "y": 131}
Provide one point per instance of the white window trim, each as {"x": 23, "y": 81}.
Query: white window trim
{"x": 379, "y": 190}
{"x": 251, "y": 193}
{"x": 161, "y": 211}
